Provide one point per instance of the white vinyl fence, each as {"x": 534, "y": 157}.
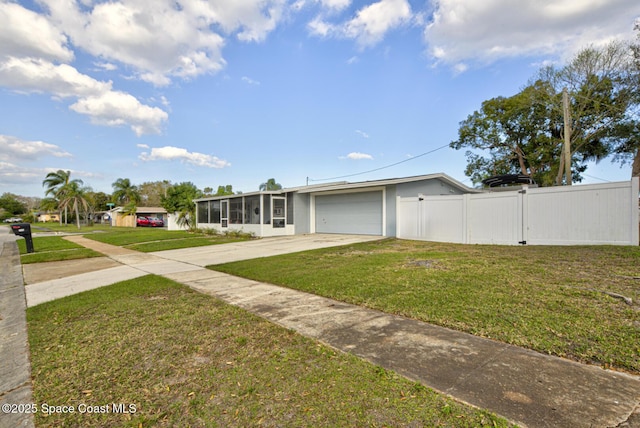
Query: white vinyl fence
{"x": 567, "y": 215}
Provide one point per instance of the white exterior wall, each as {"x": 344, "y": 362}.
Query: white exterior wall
{"x": 261, "y": 230}
{"x": 575, "y": 215}
{"x": 172, "y": 223}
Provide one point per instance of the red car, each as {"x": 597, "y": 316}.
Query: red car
{"x": 155, "y": 222}
{"x": 149, "y": 221}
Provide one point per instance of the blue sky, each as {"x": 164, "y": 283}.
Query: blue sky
{"x": 239, "y": 91}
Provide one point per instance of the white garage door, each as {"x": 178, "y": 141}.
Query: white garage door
{"x": 357, "y": 213}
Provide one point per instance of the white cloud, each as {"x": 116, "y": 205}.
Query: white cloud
{"x": 26, "y": 33}
{"x": 358, "y": 156}
{"x": 250, "y": 81}
{"x": 94, "y": 98}
{"x": 183, "y": 155}
{"x": 118, "y": 108}
{"x": 318, "y": 27}
{"x": 143, "y": 146}
{"x": 353, "y": 60}
{"x": 335, "y": 4}
{"x": 362, "y": 133}
{"x": 484, "y": 31}
{"x": 13, "y": 148}
{"x": 164, "y": 39}
{"x": 40, "y": 75}
{"x": 373, "y": 21}
{"x": 11, "y": 174}
{"x": 370, "y": 24}
{"x": 106, "y": 66}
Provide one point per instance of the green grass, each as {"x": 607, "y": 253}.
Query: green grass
{"x": 53, "y": 248}
{"x": 550, "y": 299}
{"x": 70, "y": 228}
{"x": 149, "y": 239}
{"x": 187, "y": 359}
{"x": 56, "y": 248}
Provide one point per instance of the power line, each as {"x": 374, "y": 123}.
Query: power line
{"x": 596, "y": 178}
{"x": 378, "y": 169}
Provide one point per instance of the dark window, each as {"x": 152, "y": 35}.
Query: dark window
{"x": 252, "y": 210}
{"x": 203, "y": 212}
{"x": 266, "y": 200}
{"x": 235, "y": 211}
{"x": 289, "y": 208}
{"x": 214, "y": 210}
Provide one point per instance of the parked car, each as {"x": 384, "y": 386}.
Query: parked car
{"x": 142, "y": 221}
{"x": 13, "y": 220}
{"x": 155, "y": 222}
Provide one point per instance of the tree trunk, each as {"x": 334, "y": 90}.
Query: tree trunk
{"x": 635, "y": 167}
{"x": 77, "y": 217}
{"x": 523, "y": 166}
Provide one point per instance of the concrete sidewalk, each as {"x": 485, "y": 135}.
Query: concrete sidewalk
{"x": 15, "y": 365}
{"x": 526, "y": 387}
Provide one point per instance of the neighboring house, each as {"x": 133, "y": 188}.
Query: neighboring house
{"x": 101, "y": 217}
{"x": 367, "y": 208}
{"x": 118, "y": 218}
{"x": 46, "y": 217}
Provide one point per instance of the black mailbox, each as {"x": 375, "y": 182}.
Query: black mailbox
{"x": 24, "y": 230}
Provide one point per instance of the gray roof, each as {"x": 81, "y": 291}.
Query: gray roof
{"x": 345, "y": 185}
{"x": 388, "y": 182}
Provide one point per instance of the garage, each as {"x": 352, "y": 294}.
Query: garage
{"x": 352, "y": 213}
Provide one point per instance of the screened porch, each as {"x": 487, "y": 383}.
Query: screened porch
{"x": 263, "y": 214}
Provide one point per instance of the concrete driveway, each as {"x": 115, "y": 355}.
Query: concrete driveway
{"x": 266, "y": 247}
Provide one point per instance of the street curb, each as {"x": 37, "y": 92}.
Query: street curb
{"x": 16, "y": 392}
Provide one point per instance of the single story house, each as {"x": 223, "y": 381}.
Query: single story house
{"x": 366, "y": 208}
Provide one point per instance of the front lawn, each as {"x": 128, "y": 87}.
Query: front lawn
{"x": 576, "y": 302}
{"x": 53, "y": 248}
{"x": 56, "y": 248}
{"x": 173, "y": 357}
{"x": 149, "y": 239}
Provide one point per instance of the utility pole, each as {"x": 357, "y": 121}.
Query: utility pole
{"x": 567, "y": 136}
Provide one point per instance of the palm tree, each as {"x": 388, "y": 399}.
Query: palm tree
{"x": 124, "y": 192}
{"x": 73, "y": 197}
{"x": 270, "y": 185}
{"x": 56, "y": 182}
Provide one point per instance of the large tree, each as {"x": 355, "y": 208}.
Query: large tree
{"x": 224, "y": 190}
{"x": 151, "y": 192}
{"x": 10, "y": 205}
{"x": 179, "y": 199}
{"x": 604, "y": 101}
{"x": 514, "y": 135}
{"x": 628, "y": 148}
{"x": 524, "y": 133}
{"x": 57, "y": 184}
